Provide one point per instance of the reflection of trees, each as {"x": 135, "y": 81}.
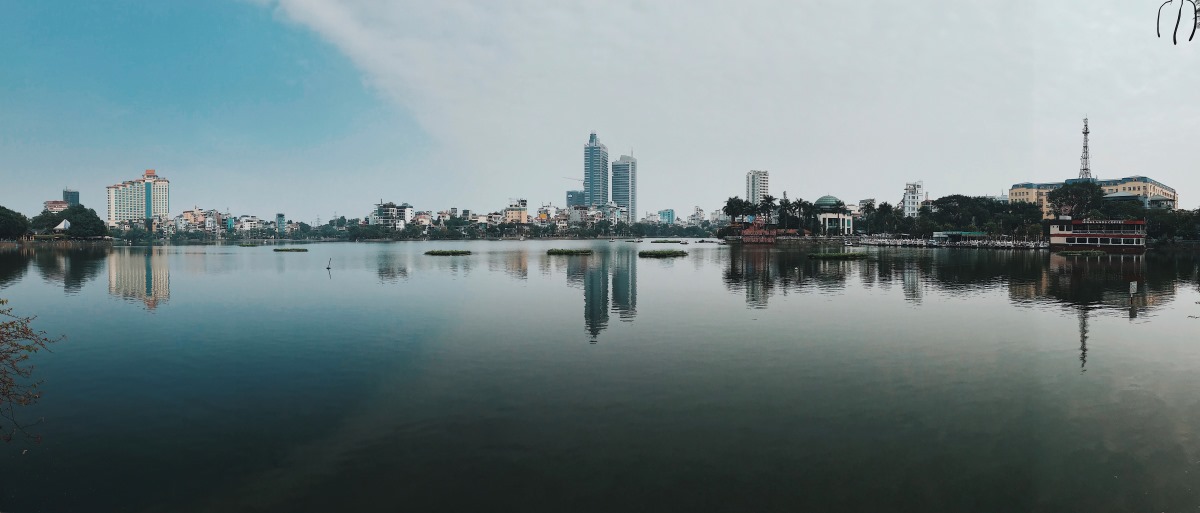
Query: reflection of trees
{"x": 13, "y": 265}
{"x": 762, "y": 271}
{"x": 750, "y": 270}
{"x": 73, "y": 267}
{"x": 391, "y": 267}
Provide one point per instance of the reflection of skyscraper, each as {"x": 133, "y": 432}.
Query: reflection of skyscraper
{"x": 595, "y": 295}
{"x": 624, "y": 285}
{"x": 141, "y": 275}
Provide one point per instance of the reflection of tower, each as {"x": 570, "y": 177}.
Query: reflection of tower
{"x": 144, "y": 277}
{"x": 624, "y": 285}
{"x": 1083, "y": 332}
{"x": 595, "y": 296}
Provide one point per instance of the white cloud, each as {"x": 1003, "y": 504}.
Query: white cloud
{"x": 845, "y": 98}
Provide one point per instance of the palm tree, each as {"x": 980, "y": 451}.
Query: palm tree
{"x": 785, "y": 210}
{"x": 734, "y": 207}
{"x": 804, "y": 212}
{"x": 766, "y": 206}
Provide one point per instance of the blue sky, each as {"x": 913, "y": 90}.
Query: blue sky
{"x": 311, "y": 107}
{"x": 236, "y": 108}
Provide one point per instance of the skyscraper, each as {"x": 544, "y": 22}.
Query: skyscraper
{"x": 576, "y": 199}
{"x": 624, "y": 186}
{"x": 595, "y": 172}
{"x": 756, "y": 186}
{"x": 71, "y": 197}
{"x": 138, "y": 200}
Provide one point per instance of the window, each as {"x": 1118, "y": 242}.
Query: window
{"x": 1093, "y": 240}
{"x": 1070, "y": 240}
{"x": 1105, "y": 240}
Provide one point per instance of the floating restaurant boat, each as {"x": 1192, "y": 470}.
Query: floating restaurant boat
{"x": 1107, "y": 235}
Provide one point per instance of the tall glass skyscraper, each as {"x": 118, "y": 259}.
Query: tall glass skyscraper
{"x": 624, "y": 186}
{"x": 595, "y": 172}
{"x": 71, "y": 197}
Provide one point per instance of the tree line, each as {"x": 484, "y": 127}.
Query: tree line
{"x": 958, "y": 212}
{"x": 84, "y": 223}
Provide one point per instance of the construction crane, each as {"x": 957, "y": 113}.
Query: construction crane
{"x": 576, "y": 179}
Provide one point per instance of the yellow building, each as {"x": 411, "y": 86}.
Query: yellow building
{"x": 1152, "y": 193}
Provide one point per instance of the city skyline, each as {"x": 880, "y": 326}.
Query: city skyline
{"x": 286, "y": 92}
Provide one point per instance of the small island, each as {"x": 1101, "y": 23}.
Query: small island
{"x": 559, "y": 251}
{"x": 291, "y": 250}
{"x": 662, "y": 253}
{"x": 666, "y": 241}
{"x": 837, "y": 256}
{"x": 447, "y": 252}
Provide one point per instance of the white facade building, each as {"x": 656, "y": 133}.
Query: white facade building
{"x": 757, "y": 186}
{"x": 147, "y": 197}
{"x": 914, "y": 194}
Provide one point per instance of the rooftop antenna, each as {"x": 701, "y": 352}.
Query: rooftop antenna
{"x": 1085, "y": 164}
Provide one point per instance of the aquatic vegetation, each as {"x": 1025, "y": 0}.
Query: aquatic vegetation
{"x": 662, "y": 253}
{"x": 559, "y": 251}
{"x": 447, "y": 252}
{"x": 291, "y": 250}
{"x": 666, "y": 241}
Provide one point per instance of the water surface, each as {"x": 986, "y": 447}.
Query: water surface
{"x": 733, "y": 379}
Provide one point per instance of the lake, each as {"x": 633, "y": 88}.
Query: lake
{"x": 224, "y": 378}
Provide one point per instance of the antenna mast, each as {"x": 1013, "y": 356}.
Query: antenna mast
{"x": 1085, "y": 163}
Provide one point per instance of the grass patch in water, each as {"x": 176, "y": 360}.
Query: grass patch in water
{"x": 447, "y": 252}
{"x": 662, "y": 253}
{"x": 559, "y": 251}
{"x": 291, "y": 250}
{"x": 666, "y": 241}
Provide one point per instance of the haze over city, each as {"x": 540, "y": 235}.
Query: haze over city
{"x": 313, "y": 107}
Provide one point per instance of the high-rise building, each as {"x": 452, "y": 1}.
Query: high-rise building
{"x": 576, "y": 199}
{"x": 280, "y": 224}
{"x": 138, "y": 200}
{"x": 71, "y": 197}
{"x": 914, "y": 194}
{"x": 757, "y": 186}
{"x": 624, "y": 186}
{"x": 666, "y": 216}
{"x": 595, "y": 172}
{"x": 55, "y": 206}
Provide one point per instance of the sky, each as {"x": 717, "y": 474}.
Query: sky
{"x": 322, "y": 107}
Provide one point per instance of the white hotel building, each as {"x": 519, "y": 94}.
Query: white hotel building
{"x": 138, "y": 200}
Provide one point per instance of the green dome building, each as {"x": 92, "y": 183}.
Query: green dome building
{"x": 833, "y": 216}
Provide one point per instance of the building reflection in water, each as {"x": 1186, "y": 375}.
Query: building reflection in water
{"x": 609, "y": 282}
{"x": 1086, "y": 286}
{"x": 141, "y": 274}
